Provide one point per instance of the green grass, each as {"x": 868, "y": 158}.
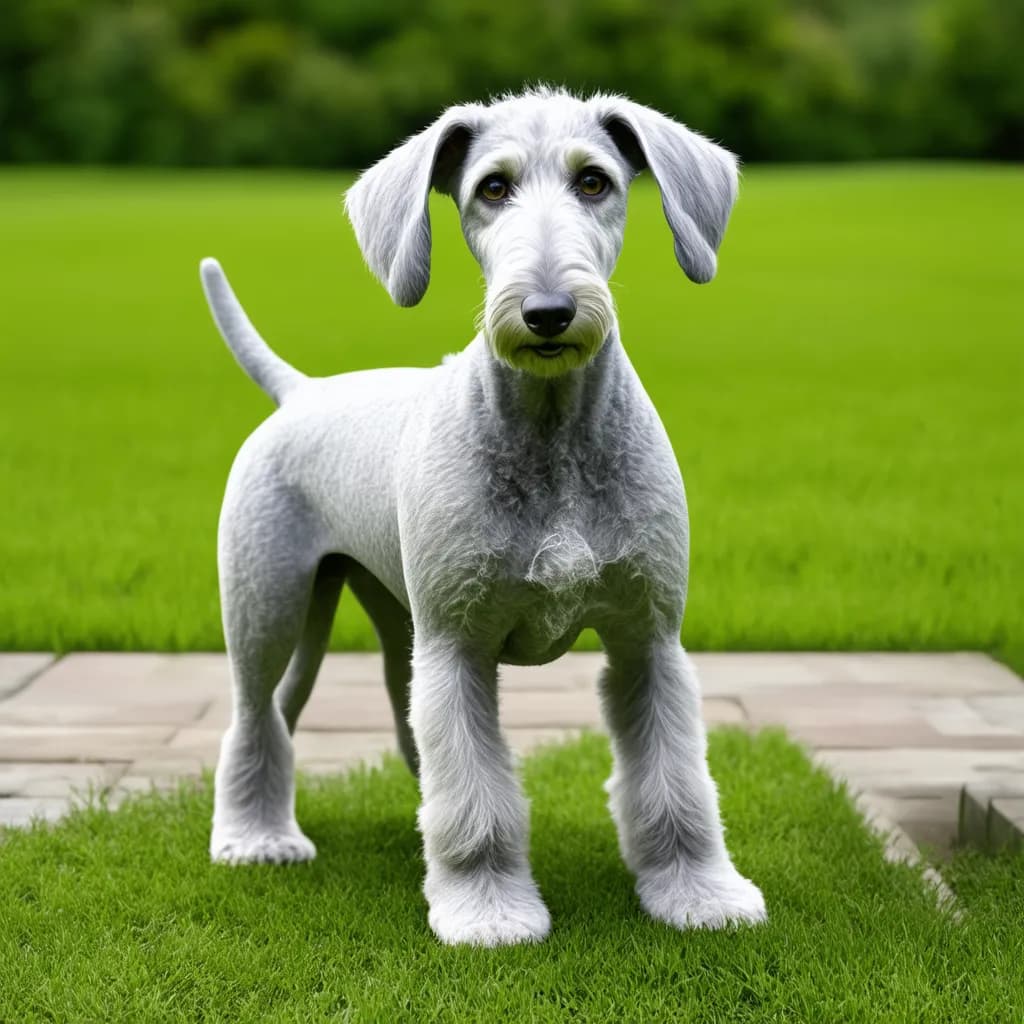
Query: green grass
{"x": 845, "y": 399}
{"x": 119, "y": 917}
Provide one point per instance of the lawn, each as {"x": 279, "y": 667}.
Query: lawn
{"x": 845, "y": 399}
{"x": 120, "y": 917}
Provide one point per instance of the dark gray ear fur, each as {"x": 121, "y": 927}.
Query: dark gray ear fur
{"x": 698, "y": 180}
{"x": 388, "y": 205}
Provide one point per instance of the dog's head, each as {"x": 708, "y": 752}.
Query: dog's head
{"x": 540, "y": 181}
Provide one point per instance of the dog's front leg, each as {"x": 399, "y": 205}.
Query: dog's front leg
{"x": 473, "y": 815}
{"x": 662, "y": 795}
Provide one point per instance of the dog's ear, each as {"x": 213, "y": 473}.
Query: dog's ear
{"x": 697, "y": 179}
{"x": 388, "y": 205}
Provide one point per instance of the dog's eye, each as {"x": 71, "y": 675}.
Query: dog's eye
{"x": 494, "y": 189}
{"x": 592, "y": 182}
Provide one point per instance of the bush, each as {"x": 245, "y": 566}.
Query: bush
{"x": 335, "y": 82}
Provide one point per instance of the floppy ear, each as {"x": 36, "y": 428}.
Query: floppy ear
{"x": 388, "y": 205}
{"x": 697, "y": 179}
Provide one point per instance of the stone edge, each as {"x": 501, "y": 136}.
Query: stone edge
{"x": 992, "y": 816}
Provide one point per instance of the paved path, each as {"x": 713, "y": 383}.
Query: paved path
{"x": 907, "y": 731}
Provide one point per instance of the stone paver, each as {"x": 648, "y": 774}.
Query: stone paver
{"x": 955, "y": 674}
{"x": 906, "y": 732}
{"x": 17, "y": 669}
{"x": 1006, "y": 822}
{"x": 56, "y": 778}
{"x": 992, "y": 812}
{"x": 361, "y": 709}
{"x": 173, "y": 713}
{"x": 924, "y": 819}
{"x": 1006, "y": 712}
{"x": 23, "y": 810}
{"x": 914, "y": 771}
{"x": 66, "y": 743}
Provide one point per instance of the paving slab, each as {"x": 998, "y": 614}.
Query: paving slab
{"x": 909, "y": 771}
{"x": 113, "y": 678}
{"x": 1006, "y": 712}
{"x": 940, "y": 804}
{"x": 1006, "y": 823}
{"x": 367, "y": 708}
{"x": 17, "y": 669}
{"x": 972, "y": 818}
{"x": 723, "y": 711}
{"x": 931, "y": 823}
{"x": 175, "y": 713}
{"x": 67, "y": 743}
{"x": 56, "y": 778}
{"x": 957, "y": 673}
{"x": 954, "y": 673}
{"x": 991, "y": 812}
{"x": 859, "y": 705}
{"x": 578, "y": 671}
{"x": 147, "y": 783}
{"x": 342, "y": 747}
{"x": 18, "y": 811}
{"x": 884, "y": 736}
{"x": 164, "y": 765}
{"x": 904, "y": 731}
{"x": 360, "y": 709}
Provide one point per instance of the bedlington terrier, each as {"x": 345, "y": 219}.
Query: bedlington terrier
{"x": 484, "y": 512}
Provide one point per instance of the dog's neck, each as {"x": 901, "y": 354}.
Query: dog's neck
{"x": 546, "y": 407}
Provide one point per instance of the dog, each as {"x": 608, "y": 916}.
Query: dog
{"x": 483, "y": 512}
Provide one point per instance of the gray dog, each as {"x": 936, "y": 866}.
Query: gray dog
{"x": 483, "y": 512}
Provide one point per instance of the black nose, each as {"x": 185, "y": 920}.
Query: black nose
{"x": 548, "y": 313}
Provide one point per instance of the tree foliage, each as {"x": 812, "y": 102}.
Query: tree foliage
{"x": 336, "y": 82}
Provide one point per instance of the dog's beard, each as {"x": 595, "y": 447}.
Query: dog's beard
{"x": 512, "y": 342}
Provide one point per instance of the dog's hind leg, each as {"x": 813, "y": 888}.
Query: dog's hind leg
{"x": 393, "y": 624}
{"x": 268, "y": 562}
{"x": 297, "y": 685}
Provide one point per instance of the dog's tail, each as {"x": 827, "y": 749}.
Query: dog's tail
{"x": 254, "y": 355}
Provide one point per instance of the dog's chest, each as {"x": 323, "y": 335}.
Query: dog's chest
{"x": 550, "y": 584}
{"x": 555, "y": 528}
{"x": 548, "y": 539}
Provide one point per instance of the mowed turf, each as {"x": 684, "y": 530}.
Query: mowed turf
{"x": 845, "y": 398}
{"x": 122, "y": 918}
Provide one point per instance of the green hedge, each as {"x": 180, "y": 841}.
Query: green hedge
{"x": 336, "y": 82}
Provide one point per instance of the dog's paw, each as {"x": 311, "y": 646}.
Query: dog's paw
{"x": 269, "y": 848}
{"x": 486, "y": 910}
{"x": 704, "y": 897}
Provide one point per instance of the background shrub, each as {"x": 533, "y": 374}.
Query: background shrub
{"x": 335, "y": 82}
